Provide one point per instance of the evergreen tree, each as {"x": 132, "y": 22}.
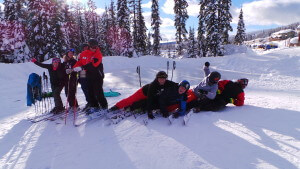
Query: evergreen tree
{"x": 124, "y": 39}
{"x": 132, "y": 4}
{"x": 92, "y": 18}
{"x": 240, "y": 36}
{"x": 104, "y": 28}
{"x": 112, "y": 34}
{"x": 80, "y": 22}
{"x": 201, "y": 29}
{"x": 141, "y": 31}
{"x": 149, "y": 46}
{"x": 192, "y": 44}
{"x": 13, "y": 38}
{"x": 181, "y": 16}
{"x": 155, "y": 23}
{"x": 225, "y": 18}
{"x": 213, "y": 41}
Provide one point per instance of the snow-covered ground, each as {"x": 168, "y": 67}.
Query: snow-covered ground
{"x": 265, "y": 133}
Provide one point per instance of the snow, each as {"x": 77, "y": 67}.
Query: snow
{"x": 264, "y": 133}
{"x": 294, "y": 40}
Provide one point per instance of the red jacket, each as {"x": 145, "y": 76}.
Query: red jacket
{"x": 87, "y": 57}
{"x": 229, "y": 89}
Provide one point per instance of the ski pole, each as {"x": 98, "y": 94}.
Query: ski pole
{"x": 168, "y": 68}
{"x": 138, "y": 71}
{"x": 174, "y": 67}
{"x": 75, "y": 102}
{"x": 67, "y": 101}
{"x": 45, "y": 91}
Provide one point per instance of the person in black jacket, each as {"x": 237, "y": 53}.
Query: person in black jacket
{"x": 172, "y": 96}
{"x": 71, "y": 79}
{"x": 147, "y": 96}
{"x": 57, "y": 74}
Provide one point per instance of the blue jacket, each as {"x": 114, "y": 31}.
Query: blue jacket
{"x": 33, "y": 86}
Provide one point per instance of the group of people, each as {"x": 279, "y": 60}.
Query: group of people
{"x": 64, "y": 74}
{"x": 170, "y": 98}
{"x": 176, "y": 99}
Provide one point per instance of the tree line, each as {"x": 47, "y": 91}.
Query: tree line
{"x": 47, "y": 28}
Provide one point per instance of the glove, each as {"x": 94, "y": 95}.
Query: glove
{"x": 77, "y": 69}
{"x": 165, "y": 115}
{"x": 68, "y": 71}
{"x": 33, "y": 60}
{"x": 150, "y": 116}
{"x": 230, "y": 100}
{"x": 218, "y": 91}
{"x": 95, "y": 60}
{"x": 204, "y": 92}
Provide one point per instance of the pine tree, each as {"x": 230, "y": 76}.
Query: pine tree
{"x": 192, "y": 44}
{"x": 141, "y": 31}
{"x": 201, "y": 29}
{"x": 103, "y": 32}
{"x": 240, "y": 36}
{"x": 13, "y": 40}
{"x": 149, "y": 46}
{"x": 155, "y": 23}
{"x": 213, "y": 41}
{"x": 181, "y": 16}
{"x": 80, "y": 22}
{"x": 92, "y": 18}
{"x": 124, "y": 39}
{"x": 224, "y": 17}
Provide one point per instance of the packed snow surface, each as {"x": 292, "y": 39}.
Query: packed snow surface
{"x": 264, "y": 133}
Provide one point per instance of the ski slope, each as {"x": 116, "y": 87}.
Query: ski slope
{"x": 264, "y": 133}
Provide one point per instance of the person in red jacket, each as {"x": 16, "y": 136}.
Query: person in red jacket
{"x": 228, "y": 92}
{"x": 91, "y": 61}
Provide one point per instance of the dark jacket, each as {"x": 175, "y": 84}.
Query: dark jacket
{"x": 229, "y": 89}
{"x": 58, "y": 76}
{"x": 153, "y": 91}
{"x": 170, "y": 97}
{"x": 69, "y": 65}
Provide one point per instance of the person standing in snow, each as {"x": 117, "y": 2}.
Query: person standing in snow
{"x": 147, "y": 96}
{"x": 71, "y": 80}
{"x": 57, "y": 74}
{"x": 206, "y": 90}
{"x": 91, "y": 61}
{"x": 83, "y": 80}
{"x": 228, "y": 92}
{"x": 206, "y": 69}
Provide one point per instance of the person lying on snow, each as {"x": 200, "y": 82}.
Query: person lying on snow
{"x": 205, "y": 91}
{"x": 147, "y": 96}
{"x": 228, "y": 92}
{"x": 175, "y": 95}
{"x": 57, "y": 74}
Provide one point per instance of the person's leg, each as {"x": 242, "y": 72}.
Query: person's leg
{"x": 84, "y": 86}
{"x": 57, "y": 99}
{"x": 72, "y": 93}
{"x": 98, "y": 92}
{"x": 92, "y": 97}
{"x": 138, "y": 95}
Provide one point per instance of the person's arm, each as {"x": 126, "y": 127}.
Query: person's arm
{"x": 42, "y": 65}
{"x": 213, "y": 92}
{"x": 150, "y": 96}
{"x": 206, "y": 71}
{"x": 97, "y": 59}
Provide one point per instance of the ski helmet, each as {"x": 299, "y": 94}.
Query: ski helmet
{"x": 207, "y": 64}
{"x": 214, "y": 77}
{"x": 56, "y": 60}
{"x": 185, "y": 84}
{"x": 93, "y": 42}
{"x": 243, "y": 82}
{"x": 83, "y": 46}
{"x": 161, "y": 74}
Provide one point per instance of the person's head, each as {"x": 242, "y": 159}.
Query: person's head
{"x": 84, "y": 47}
{"x": 55, "y": 62}
{"x": 243, "y": 82}
{"x": 93, "y": 44}
{"x": 161, "y": 77}
{"x": 183, "y": 86}
{"x": 207, "y": 64}
{"x": 70, "y": 53}
{"x": 214, "y": 77}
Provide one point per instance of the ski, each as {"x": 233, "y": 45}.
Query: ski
{"x": 97, "y": 115}
{"x": 47, "y": 117}
{"x": 115, "y": 118}
{"x": 186, "y": 118}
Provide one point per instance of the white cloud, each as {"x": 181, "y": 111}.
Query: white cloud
{"x": 167, "y": 22}
{"x": 147, "y": 5}
{"x": 99, "y": 11}
{"x": 192, "y": 9}
{"x": 267, "y": 12}
{"x": 167, "y": 34}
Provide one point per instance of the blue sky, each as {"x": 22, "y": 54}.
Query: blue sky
{"x": 258, "y": 14}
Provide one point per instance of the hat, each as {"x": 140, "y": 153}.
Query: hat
{"x": 161, "y": 74}
{"x": 214, "y": 77}
{"x": 243, "y": 82}
{"x": 185, "y": 84}
{"x": 56, "y": 60}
